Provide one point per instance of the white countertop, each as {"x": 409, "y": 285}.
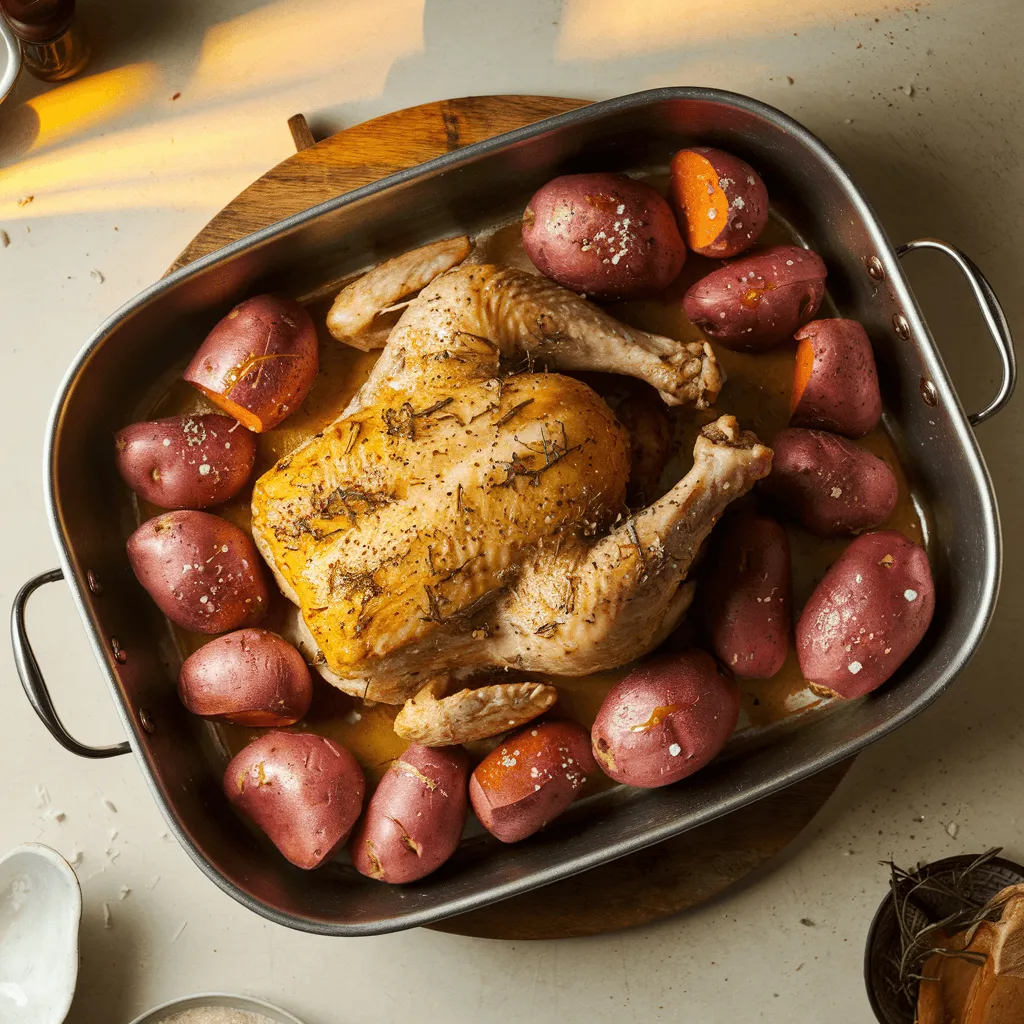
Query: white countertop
{"x": 921, "y": 100}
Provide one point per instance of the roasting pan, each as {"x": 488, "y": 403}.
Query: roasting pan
{"x": 467, "y": 191}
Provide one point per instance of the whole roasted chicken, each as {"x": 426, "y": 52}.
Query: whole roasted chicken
{"x": 466, "y": 511}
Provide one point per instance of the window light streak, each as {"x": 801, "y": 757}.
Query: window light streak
{"x": 77, "y": 107}
{"x": 603, "y": 29}
{"x": 280, "y": 43}
{"x": 231, "y": 123}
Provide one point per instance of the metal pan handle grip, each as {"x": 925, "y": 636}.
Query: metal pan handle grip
{"x": 995, "y": 319}
{"x": 32, "y": 678}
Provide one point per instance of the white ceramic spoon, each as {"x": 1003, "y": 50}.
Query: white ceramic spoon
{"x": 40, "y": 911}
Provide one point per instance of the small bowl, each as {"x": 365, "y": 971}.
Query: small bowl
{"x": 10, "y": 58}
{"x": 204, "y": 999}
{"x": 882, "y": 951}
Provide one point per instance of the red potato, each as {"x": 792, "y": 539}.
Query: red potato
{"x": 532, "y": 777}
{"x": 828, "y": 484}
{"x": 185, "y": 461}
{"x": 720, "y": 201}
{"x": 866, "y": 616}
{"x": 666, "y": 720}
{"x": 304, "y": 791}
{"x": 760, "y": 299}
{"x": 835, "y": 385}
{"x": 259, "y": 362}
{"x": 415, "y": 818}
{"x": 603, "y": 234}
{"x": 747, "y": 596}
{"x": 252, "y": 677}
{"x": 203, "y": 573}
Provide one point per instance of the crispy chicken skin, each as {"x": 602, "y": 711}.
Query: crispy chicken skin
{"x": 458, "y": 517}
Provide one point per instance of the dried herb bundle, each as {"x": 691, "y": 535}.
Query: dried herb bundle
{"x": 953, "y": 942}
{"x": 917, "y": 898}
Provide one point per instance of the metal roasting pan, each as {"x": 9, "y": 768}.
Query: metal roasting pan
{"x": 469, "y": 191}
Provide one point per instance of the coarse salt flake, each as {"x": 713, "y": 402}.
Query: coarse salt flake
{"x": 204, "y": 469}
{"x": 910, "y": 595}
{"x": 675, "y": 750}
{"x": 167, "y": 442}
{"x": 854, "y": 667}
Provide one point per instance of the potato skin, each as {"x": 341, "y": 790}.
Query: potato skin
{"x": 828, "y": 484}
{"x": 259, "y": 362}
{"x": 252, "y": 677}
{"x": 760, "y": 299}
{"x": 415, "y": 817}
{"x": 835, "y": 385}
{"x": 530, "y": 778}
{"x": 747, "y": 596}
{"x": 720, "y": 201}
{"x": 185, "y": 461}
{"x": 867, "y": 615}
{"x": 603, "y": 234}
{"x": 203, "y": 573}
{"x": 304, "y": 791}
{"x": 666, "y": 720}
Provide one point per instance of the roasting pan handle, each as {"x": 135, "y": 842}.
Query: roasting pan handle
{"x": 32, "y": 678}
{"x": 995, "y": 319}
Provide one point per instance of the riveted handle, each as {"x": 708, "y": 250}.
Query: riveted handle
{"x": 32, "y": 678}
{"x": 991, "y": 311}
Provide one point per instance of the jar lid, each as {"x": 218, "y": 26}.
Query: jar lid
{"x": 39, "y": 21}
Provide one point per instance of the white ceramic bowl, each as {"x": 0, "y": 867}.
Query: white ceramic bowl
{"x": 161, "y": 1013}
{"x": 10, "y": 58}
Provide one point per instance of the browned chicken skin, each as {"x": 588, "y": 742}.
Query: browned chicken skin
{"x": 456, "y": 517}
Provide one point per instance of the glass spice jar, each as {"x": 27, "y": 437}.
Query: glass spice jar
{"x": 52, "y": 46}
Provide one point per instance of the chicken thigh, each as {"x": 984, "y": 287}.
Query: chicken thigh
{"x": 459, "y": 517}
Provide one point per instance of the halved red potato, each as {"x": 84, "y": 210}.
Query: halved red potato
{"x": 747, "y": 596}
{"x": 304, "y": 791}
{"x": 251, "y": 677}
{"x": 203, "y": 573}
{"x": 666, "y": 720}
{"x": 415, "y": 817}
{"x": 259, "y": 362}
{"x": 185, "y": 461}
{"x": 760, "y": 299}
{"x": 835, "y": 384}
{"x": 829, "y": 484}
{"x": 720, "y": 201}
{"x": 866, "y": 616}
{"x": 606, "y": 235}
{"x": 530, "y": 778}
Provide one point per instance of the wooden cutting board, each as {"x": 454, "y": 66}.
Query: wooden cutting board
{"x": 675, "y": 874}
